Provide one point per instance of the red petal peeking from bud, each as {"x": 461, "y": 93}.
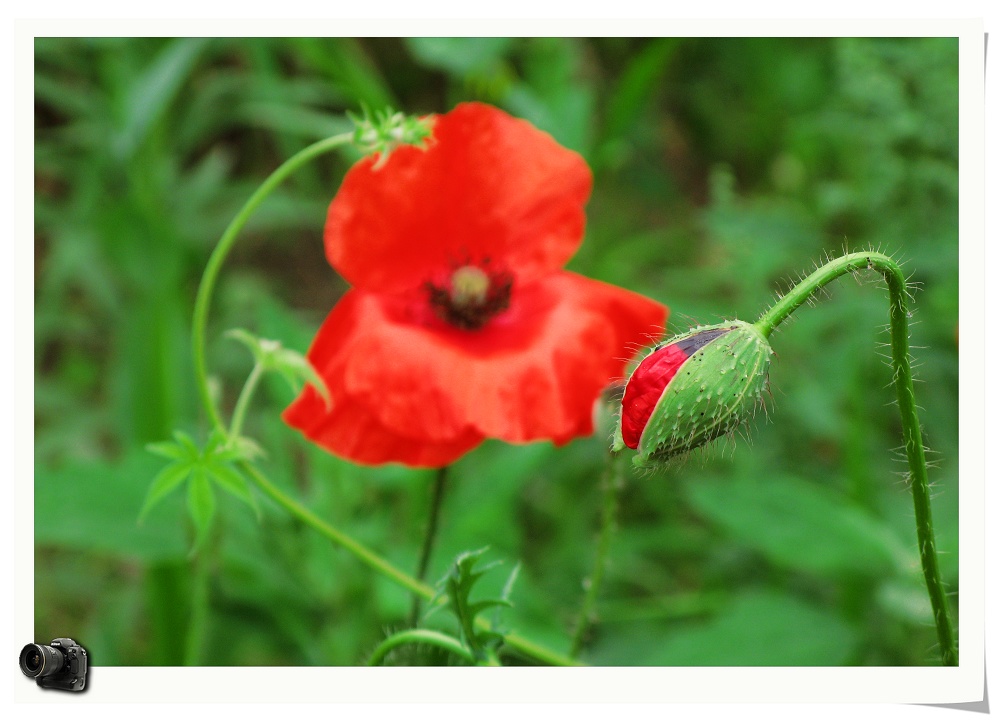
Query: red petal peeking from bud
{"x": 462, "y": 324}
{"x": 650, "y": 379}
{"x": 692, "y": 389}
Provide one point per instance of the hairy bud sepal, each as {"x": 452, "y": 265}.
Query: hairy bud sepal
{"x": 691, "y": 389}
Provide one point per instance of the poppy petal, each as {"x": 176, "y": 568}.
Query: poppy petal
{"x": 489, "y": 187}
{"x": 532, "y": 373}
{"x": 350, "y": 430}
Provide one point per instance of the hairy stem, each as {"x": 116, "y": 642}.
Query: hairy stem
{"x": 430, "y": 534}
{"x": 903, "y": 379}
{"x": 225, "y": 244}
{"x": 611, "y": 480}
{"x": 420, "y": 636}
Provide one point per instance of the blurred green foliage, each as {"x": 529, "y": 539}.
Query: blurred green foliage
{"x": 723, "y": 169}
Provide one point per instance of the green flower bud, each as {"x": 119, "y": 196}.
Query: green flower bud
{"x": 691, "y": 389}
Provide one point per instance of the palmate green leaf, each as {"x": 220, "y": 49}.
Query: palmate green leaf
{"x": 201, "y": 505}
{"x": 234, "y": 483}
{"x": 187, "y": 443}
{"x": 201, "y": 468}
{"x": 171, "y": 477}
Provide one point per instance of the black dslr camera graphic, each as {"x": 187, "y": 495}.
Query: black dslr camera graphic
{"x": 59, "y": 665}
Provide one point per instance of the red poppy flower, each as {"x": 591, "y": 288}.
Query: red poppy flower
{"x": 461, "y": 324}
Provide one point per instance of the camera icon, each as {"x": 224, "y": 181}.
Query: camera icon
{"x": 61, "y": 664}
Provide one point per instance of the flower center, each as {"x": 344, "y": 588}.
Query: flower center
{"x": 471, "y": 297}
{"x": 469, "y": 285}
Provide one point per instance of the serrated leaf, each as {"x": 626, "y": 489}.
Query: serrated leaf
{"x": 172, "y": 476}
{"x": 201, "y": 505}
{"x": 234, "y": 483}
{"x": 457, "y": 586}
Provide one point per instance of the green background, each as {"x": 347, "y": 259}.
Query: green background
{"x": 724, "y": 169}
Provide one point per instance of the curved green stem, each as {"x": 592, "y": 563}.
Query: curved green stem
{"x": 610, "y": 482}
{"x": 420, "y": 636}
{"x": 903, "y": 379}
{"x": 225, "y": 244}
{"x": 243, "y": 403}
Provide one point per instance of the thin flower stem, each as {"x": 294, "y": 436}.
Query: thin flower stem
{"x": 430, "y": 534}
{"x": 225, "y": 244}
{"x": 243, "y": 403}
{"x": 903, "y": 378}
{"x": 420, "y": 636}
{"x": 611, "y": 480}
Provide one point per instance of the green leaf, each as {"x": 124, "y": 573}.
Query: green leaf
{"x": 167, "y": 449}
{"x": 187, "y": 443}
{"x": 234, "y": 483}
{"x": 92, "y": 506}
{"x": 247, "y": 339}
{"x": 165, "y": 482}
{"x": 293, "y": 364}
{"x": 216, "y": 444}
{"x": 244, "y": 449}
{"x": 201, "y": 505}
{"x": 456, "y": 587}
{"x": 460, "y": 56}
{"x": 760, "y": 628}
{"x": 801, "y": 525}
{"x": 272, "y": 356}
{"x": 153, "y": 90}
{"x": 637, "y": 85}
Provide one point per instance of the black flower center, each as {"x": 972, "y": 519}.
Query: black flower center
{"x": 471, "y": 296}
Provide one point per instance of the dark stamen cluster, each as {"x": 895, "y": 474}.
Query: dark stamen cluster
{"x": 471, "y": 313}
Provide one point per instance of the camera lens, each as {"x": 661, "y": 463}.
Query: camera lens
{"x": 41, "y": 660}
